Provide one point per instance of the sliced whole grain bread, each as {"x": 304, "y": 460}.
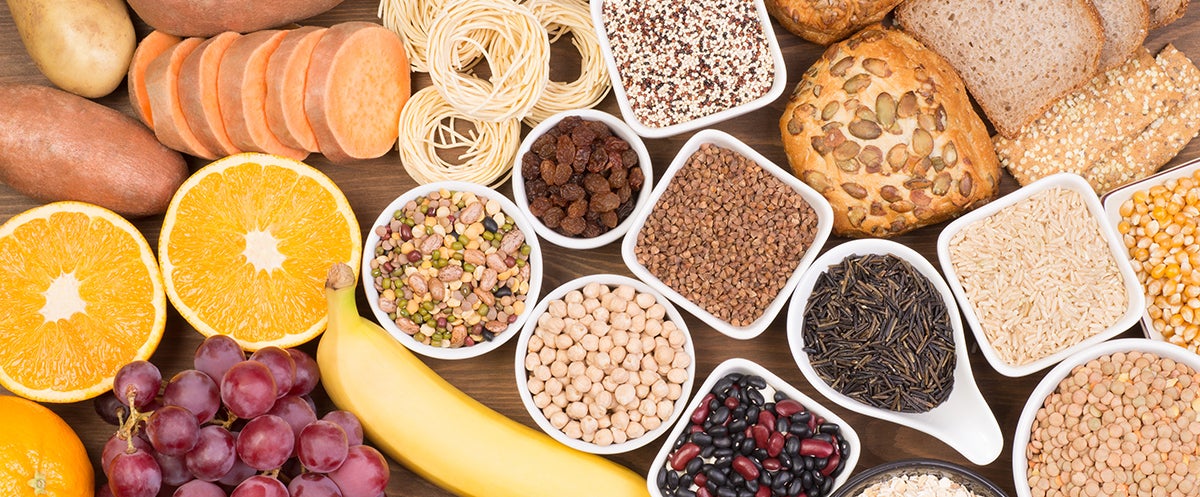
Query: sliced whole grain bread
{"x": 1126, "y": 23}
{"x": 1164, "y": 12}
{"x": 1017, "y": 57}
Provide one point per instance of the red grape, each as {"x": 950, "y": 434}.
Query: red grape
{"x": 364, "y": 474}
{"x": 213, "y": 455}
{"x": 139, "y": 378}
{"x": 349, "y": 422}
{"x": 199, "y": 488}
{"x": 322, "y": 446}
{"x": 307, "y": 372}
{"x": 172, "y": 430}
{"x": 134, "y": 474}
{"x": 103, "y": 491}
{"x": 282, "y": 366}
{"x": 295, "y": 411}
{"x": 266, "y": 442}
{"x": 111, "y": 410}
{"x": 260, "y": 486}
{"x": 313, "y": 485}
{"x": 217, "y": 354}
{"x": 237, "y": 474}
{"x": 248, "y": 389}
{"x": 195, "y": 391}
{"x": 116, "y": 445}
{"x": 174, "y": 469}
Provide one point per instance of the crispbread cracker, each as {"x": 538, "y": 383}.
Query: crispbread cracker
{"x": 1163, "y": 138}
{"x": 1081, "y": 128}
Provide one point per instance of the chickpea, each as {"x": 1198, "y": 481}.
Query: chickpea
{"x": 651, "y": 422}
{"x": 619, "y": 436}
{"x": 620, "y": 320}
{"x": 553, "y": 386}
{"x": 562, "y": 341}
{"x": 541, "y": 400}
{"x": 557, "y": 308}
{"x": 595, "y": 374}
{"x": 626, "y": 292}
{"x": 626, "y": 395}
{"x": 542, "y": 372}
{"x": 532, "y": 361}
{"x": 576, "y": 331}
{"x": 589, "y": 425}
{"x": 573, "y": 430}
{"x": 660, "y": 389}
{"x": 559, "y": 420}
{"x": 576, "y": 410}
{"x": 617, "y": 354}
{"x": 558, "y": 370}
{"x": 604, "y": 399}
{"x": 596, "y": 411}
{"x": 581, "y": 383}
{"x": 572, "y": 393}
{"x": 645, "y": 300}
{"x": 648, "y": 408}
{"x": 604, "y": 437}
{"x": 535, "y": 343}
{"x": 656, "y": 312}
{"x": 654, "y": 328}
{"x": 576, "y": 310}
{"x": 635, "y": 430}
{"x": 576, "y": 368}
{"x": 592, "y": 290}
{"x": 536, "y": 386}
{"x": 643, "y": 391}
{"x": 576, "y": 353}
{"x": 573, "y": 297}
{"x": 546, "y": 356}
{"x": 665, "y": 409}
{"x": 620, "y": 420}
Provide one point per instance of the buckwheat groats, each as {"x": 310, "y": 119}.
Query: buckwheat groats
{"x": 883, "y": 128}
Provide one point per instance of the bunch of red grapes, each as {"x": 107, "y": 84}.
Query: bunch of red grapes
{"x": 233, "y": 427}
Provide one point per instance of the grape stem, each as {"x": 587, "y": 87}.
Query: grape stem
{"x": 128, "y": 425}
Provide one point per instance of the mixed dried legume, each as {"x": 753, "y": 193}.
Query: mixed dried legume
{"x": 680, "y": 61}
{"x": 605, "y": 365}
{"x": 740, "y": 442}
{"x": 726, "y": 234}
{"x": 580, "y": 178}
{"x": 451, "y": 269}
{"x": 1158, "y": 226}
{"x": 1121, "y": 424}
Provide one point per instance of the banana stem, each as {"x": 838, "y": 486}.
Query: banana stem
{"x": 339, "y": 296}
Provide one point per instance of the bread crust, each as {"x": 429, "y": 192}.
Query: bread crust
{"x": 1160, "y": 20}
{"x": 1113, "y": 60}
{"x": 828, "y": 21}
{"x": 904, "y": 181}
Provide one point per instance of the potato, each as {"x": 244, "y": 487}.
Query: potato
{"x": 57, "y": 146}
{"x": 82, "y": 46}
{"x": 186, "y": 18}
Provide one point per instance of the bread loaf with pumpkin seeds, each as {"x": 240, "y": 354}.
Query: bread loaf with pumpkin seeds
{"x": 883, "y": 128}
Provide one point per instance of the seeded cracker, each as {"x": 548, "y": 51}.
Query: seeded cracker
{"x": 1084, "y": 126}
{"x": 1166, "y": 136}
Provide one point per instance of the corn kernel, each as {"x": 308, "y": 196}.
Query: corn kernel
{"x": 1157, "y": 271}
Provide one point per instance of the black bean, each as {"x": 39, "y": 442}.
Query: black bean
{"x": 792, "y": 445}
{"x": 707, "y": 451}
{"x": 723, "y": 384}
{"x": 502, "y": 292}
{"x": 783, "y": 478}
{"x": 716, "y": 475}
{"x": 844, "y": 449}
{"x": 752, "y": 413}
{"x": 683, "y": 492}
{"x": 755, "y": 397}
{"x": 723, "y": 462}
{"x": 751, "y": 485}
{"x": 824, "y": 437}
{"x": 693, "y": 466}
{"x": 830, "y": 428}
{"x": 707, "y": 467}
{"x": 746, "y": 447}
{"x": 765, "y": 478}
{"x": 720, "y": 415}
{"x": 780, "y": 396}
{"x": 800, "y": 430}
{"x": 718, "y": 431}
{"x": 757, "y": 382}
{"x": 712, "y": 487}
{"x": 769, "y": 406}
{"x": 801, "y": 417}
{"x": 819, "y": 463}
{"x": 736, "y": 480}
{"x": 672, "y": 479}
{"x": 745, "y": 493}
{"x": 782, "y": 425}
{"x": 489, "y": 224}
{"x": 726, "y": 492}
{"x": 808, "y": 462}
{"x": 807, "y": 479}
{"x": 702, "y": 439}
{"x": 679, "y": 442}
{"x": 488, "y": 336}
{"x": 826, "y": 486}
{"x": 724, "y": 452}
{"x": 722, "y": 442}
{"x": 760, "y": 454}
{"x": 735, "y": 377}
{"x": 738, "y": 427}
{"x": 661, "y": 478}
{"x": 739, "y": 412}
{"x": 713, "y": 404}
{"x": 795, "y": 487}
{"x": 685, "y": 481}
{"x": 785, "y": 461}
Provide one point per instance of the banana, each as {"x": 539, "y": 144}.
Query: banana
{"x": 397, "y": 398}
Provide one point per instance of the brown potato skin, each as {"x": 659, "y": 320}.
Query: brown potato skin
{"x": 205, "y": 18}
{"x": 58, "y": 146}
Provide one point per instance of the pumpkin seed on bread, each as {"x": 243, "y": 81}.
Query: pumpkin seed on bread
{"x": 883, "y": 128}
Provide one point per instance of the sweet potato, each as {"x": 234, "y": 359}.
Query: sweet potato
{"x": 209, "y": 17}
{"x": 242, "y": 94}
{"x": 162, "y": 89}
{"x": 286, "y": 72}
{"x": 357, "y": 83}
{"x": 198, "y": 93}
{"x": 58, "y": 146}
{"x": 153, "y": 45}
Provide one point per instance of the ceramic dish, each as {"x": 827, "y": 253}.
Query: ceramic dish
{"x": 970, "y": 480}
{"x": 535, "y": 273}
{"x": 1133, "y": 289}
{"x": 777, "y": 85}
{"x": 964, "y": 421}
{"x": 744, "y": 366}
{"x": 619, "y": 128}
{"x": 820, "y": 206}
{"x": 1049, "y": 383}
{"x": 522, "y": 349}
{"x": 1112, "y": 205}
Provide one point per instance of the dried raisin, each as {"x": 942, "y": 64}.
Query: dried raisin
{"x": 572, "y": 192}
{"x": 553, "y": 217}
{"x": 573, "y": 225}
{"x": 531, "y": 166}
{"x": 578, "y": 208}
{"x": 604, "y": 202}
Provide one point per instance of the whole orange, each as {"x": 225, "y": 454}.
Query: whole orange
{"x": 40, "y": 456}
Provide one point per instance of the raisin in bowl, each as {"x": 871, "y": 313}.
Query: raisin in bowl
{"x": 581, "y": 176}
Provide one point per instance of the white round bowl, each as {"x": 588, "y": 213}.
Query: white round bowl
{"x": 821, "y": 209}
{"x": 745, "y": 366}
{"x": 523, "y": 349}
{"x": 1133, "y": 289}
{"x": 964, "y": 421}
{"x": 1049, "y": 383}
{"x": 619, "y": 128}
{"x": 535, "y": 270}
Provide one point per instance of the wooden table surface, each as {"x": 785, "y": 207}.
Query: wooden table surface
{"x": 371, "y": 185}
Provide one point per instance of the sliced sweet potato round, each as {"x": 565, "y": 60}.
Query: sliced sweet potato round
{"x": 242, "y": 94}
{"x": 153, "y": 45}
{"x": 198, "y": 93}
{"x": 287, "y": 70}
{"x": 358, "y": 81}
{"x": 162, "y": 89}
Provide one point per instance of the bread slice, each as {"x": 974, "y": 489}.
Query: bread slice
{"x": 1126, "y": 23}
{"x": 1166, "y": 136}
{"x": 1164, "y": 12}
{"x": 1017, "y": 57}
{"x": 1081, "y": 128}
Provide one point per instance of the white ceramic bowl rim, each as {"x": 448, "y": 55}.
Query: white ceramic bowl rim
{"x": 964, "y": 421}
{"x": 777, "y": 86}
{"x": 523, "y": 348}
{"x": 745, "y": 366}
{"x": 818, "y": 202}
{"x": 535, "y": 271}
{"x": 1133, "y": 289}
{"x": 618, "y": 128}
{"x": 1050, "y": 383}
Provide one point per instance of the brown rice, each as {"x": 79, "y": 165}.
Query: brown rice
{"x": 1039, "y": 275}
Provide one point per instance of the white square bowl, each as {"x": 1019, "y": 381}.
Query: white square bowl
{"x": 1133, "y": 290}
{"x": 777, "y": 86}
{"x": 964, "y": 420}
{"x": 820, "y": 206}
{"x": 1112, "y": 205}
{"x": 745, "y": 366}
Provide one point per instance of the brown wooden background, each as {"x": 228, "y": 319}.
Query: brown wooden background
{"x": 371, "y": 185}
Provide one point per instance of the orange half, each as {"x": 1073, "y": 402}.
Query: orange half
{"x": 245, "y": 246}
{"x": 82, "y": 296}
